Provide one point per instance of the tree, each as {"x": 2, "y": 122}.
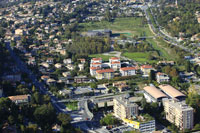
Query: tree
{"x": 64, "y": 119}
{"x": 45, "y": 116}
{"x": 151, "y": 76}
{"x": 188, "y": 66}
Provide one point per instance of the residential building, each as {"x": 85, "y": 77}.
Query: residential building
{"x": 162, "y": 77}
{"x": 19, "y": 32}
{"x": 144, "y": 124}
{"x": 104, "y": 74}
{"x": 172, "y": 92}
{"x": 152, "y": 94}
{"x": 81, "y": 67}
{"x": 50, "y": 61}
{"x": 81, "y": 79}
{"x": 93, "y": 70}
{"x": 96, "y": 60}
{"x": 67, "y": 61}
{"x": 115, "y": 63}
{"x": 82, "y": 61}
{"x": 128, "y": 71}
{"x": 96, "y": 64}
{"x": 121, "y": 85}
{"x": 124, "y": 108}
{"x": 179, "y": 113}
{"x": 20, "y": 99}
{"x": 146, "y": 70}
{"x": 58, "y": 65}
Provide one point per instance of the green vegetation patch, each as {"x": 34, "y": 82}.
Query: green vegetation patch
{"x": 129, "y": 25}
{"x": 141, "y": 57}
{"x": 72, "y": 105}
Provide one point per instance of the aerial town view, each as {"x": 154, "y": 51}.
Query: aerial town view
{"x": 100, "y": 66}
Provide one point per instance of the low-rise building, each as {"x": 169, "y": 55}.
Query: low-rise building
{"x": 121, "y": 85}
{"x": 146, "y": 70}
{"x": 144, "y": 124}
{"x": 104, "y": 74}
{"x": 128, "y": 71}
{"x": 172, "y": 92}
{"x": 162, "y": 77}
{"x": 179, "y": 113}
{"x": 93, "y": 70}
{"x": 20, "y": 99}
{"x": 81, "y": 79}
{"x": 152, "y": 94}
{"x": 115, "y": 63}
{"x": 96, "y": 60}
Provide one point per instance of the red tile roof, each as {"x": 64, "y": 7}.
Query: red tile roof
{"x": 128, "y": 68}
{"x": 146, "y": 66}
{"x": 18, "y": 97}
{"x": 96, "y": 63}
{"x": 96, "y": 58}
{"x": 105, "y": 71}
{"x": 95, "y": 68}
{"x": 114, "y": 58}
{"x": 115, "y": 62}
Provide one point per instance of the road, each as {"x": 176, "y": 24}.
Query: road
{"x": 159, "y": 32}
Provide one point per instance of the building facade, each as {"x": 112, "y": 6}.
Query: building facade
{"x": 179, "y": 113}
{"x": 128, "y": 71}
{"x": 105, "y": 74}
{"x": 124, "y": 109}
{"x": 162, "y": 77}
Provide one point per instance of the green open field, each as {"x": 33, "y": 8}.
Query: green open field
{"x": 72, "y": 105}
{"x": 130, "y": 26}
{"x": 141, "y": 57}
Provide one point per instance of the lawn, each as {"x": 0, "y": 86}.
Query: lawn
{"x": 130, "y": 26}
{"x": 72, "y": 105}
{"x": 141, "y": 57}
{"x": 104, "y": 57}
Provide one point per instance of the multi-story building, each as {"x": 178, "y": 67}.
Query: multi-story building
{"x": 146, "y": 70}
{"x": 162, "y": 77}
{"x": 96, "y": 60}
{"x": 128, "y": 71}
{"x": 115, "y": 63}
{"x": 20, "y": 99}
{"x": 179, "y": 113}
{"x": 93, "y": 70}
{"x": 124, "y": 109}
{"x": 104, "y": 74}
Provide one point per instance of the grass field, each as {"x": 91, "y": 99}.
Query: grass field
{"x": 72, "y": 105}
{"x": 141, "y": 57}
{"x": 104, "y": 57}
{"x": 130, "y": 26}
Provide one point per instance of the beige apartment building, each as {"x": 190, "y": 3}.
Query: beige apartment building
{"x": 179, "y": 113}
{"x": 124, "y": 108}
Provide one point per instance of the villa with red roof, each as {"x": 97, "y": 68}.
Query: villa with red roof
{"x": 128, "y": 71}
{"x": 146, "y": 70}
{"x": 105, "y": 74}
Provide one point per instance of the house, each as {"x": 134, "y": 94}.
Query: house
{"x": 81, "y": 67}
{"x": 121, "y": 85}
{"x": 81, "y": 79}
{"x": 51, "y": 81}
{"x": 58, "y": 65}
{"x": 166, "y": 63}
{"x": 44, "y": 64}
{"x": 20, "y": 99}
{"x": 45, "y": 78}
{"x": 146, "y": 70}
{"x": 104, "y": 74}
{"x": 128, "y": 71}
{"x": 66, "y": 74}
{"x": 162, "y": 77}
{"x": 96, "y": 60}
{"x": 93, "y": 70}
{"x": 67, "y": 61}
{"x": 65, "y": 92}
{"x": 50, "y": 61}
{"x": 70, "y": 66}
{"x": 96, "y": 64}
{"x": 82, "y": 60}
{"x": 19, "y": 32}
{"x": 115, "y": 63}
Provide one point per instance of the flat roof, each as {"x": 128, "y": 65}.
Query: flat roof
{"x": 153, "y": 91}
{"x": 171, "y": 91}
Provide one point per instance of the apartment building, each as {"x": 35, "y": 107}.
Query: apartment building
{"x": 179, "y": 113}
{"x": 104, "y": 74}
{"x": 115, "y": 63}
{"x": 146, "y": 70}
{"x": 128, "y": 71}
{"x": 162, "y": 77}
{"x": 124, "y": 109}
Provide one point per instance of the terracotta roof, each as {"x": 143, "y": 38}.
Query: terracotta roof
{"x": 159, "y": 73}
{"x": 146, "y": 66}
{"x": 128, "y": 68}
{"x": 44, "y": 77}
{"x": 96, "y": 58}
{"x": 95, "y": 68}
{"x": 115, "y": 62}
{"x": 105, "y": 71}
{"x": 19, "y": 97}
{"x": 114, "y": 58}
{"x": 171, "y": 91}
{"x": 96, "y": 63}
{"x": 153, "y": 91}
